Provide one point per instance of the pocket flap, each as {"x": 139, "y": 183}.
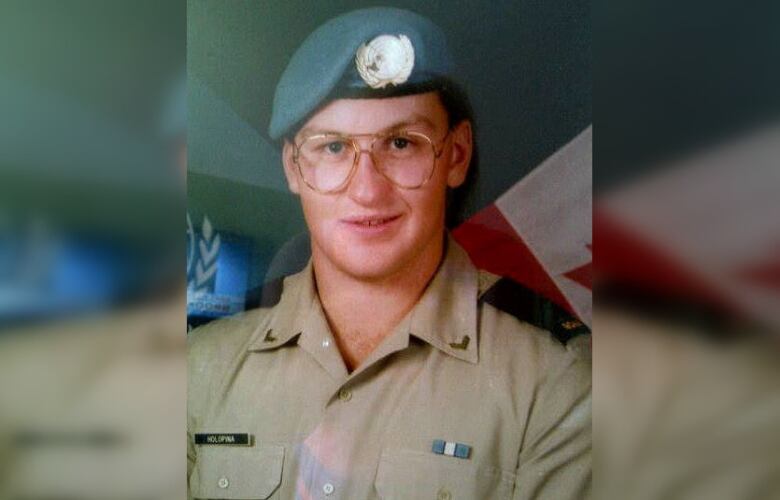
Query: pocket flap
{"x": 405, "y": 474}
{"x": 228, "y": 472}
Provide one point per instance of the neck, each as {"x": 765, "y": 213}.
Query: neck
{"x": 363, "y": 312}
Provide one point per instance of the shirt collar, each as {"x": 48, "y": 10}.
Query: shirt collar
{"x": 288, "y": 317}
{"x": 445, "y": 316}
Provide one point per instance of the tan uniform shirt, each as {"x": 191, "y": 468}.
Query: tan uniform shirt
{"x": 454, "y": 369}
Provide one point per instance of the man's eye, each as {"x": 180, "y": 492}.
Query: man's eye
{"x": 335, "y": 147}
{"x": 400, "y": 142}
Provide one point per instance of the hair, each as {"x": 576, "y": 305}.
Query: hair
{"x": 461, "y": 200}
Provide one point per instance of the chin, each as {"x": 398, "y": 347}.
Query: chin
{"x": 370, "y": 265}
{"x": 371, "y": 260}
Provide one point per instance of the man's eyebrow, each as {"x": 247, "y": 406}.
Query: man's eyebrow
{"x": 416, "y": 120}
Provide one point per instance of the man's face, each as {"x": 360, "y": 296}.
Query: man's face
{"x": 372, "y": 229}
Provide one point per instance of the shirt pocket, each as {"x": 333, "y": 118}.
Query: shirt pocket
{"x": 407, "y": 475}
{"x": 240, "y": 473}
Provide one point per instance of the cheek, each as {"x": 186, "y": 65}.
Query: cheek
{"x": 317, "y": 211}
{"x": 429, "y": 205}
{"x": 311, "y": 207}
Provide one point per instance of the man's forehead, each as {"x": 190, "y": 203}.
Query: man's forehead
{"x": 352, "y": 116}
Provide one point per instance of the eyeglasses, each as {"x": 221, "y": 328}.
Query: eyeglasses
{"x": 326, "y": 162}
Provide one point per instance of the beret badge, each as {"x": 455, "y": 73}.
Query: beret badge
{"x": 385, "y": 60}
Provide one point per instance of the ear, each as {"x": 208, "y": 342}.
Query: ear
{"x": 290, "y": 169}
{"x": 460, "y": 153}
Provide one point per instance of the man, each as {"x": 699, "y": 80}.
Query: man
{"x": 381, "y": 373}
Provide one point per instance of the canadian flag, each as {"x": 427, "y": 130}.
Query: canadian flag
{"x": 539, "y": 233}
{"x": 703, "y": 230}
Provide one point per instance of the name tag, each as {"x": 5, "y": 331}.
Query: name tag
{"x": 223, "y": 439}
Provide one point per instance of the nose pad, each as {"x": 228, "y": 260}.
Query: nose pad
{"x": 374, "y": 167}
{"x": 370, "y": 156}
{"x": 367, "y": 182}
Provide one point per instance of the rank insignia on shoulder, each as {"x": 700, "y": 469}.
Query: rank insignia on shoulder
{"x": 531, "y": 307}
{"x": 571, "y": 324}
{"x": 224, "y": 439}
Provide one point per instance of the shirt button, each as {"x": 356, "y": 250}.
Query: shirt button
{"x": 223, "y": 482}
{"x": 325, "y": 343}
{"x": 443, "y": 494}
{"x": 345, "y": 395}
{"x": 328, "y": 489}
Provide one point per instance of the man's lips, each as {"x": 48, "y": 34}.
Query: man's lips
{"x": 370, "y": 220}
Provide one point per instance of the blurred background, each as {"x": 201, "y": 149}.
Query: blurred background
{"x": 88, "y": 139}
{"x": 92, "y": 203}
{"x": 687, "y": 244}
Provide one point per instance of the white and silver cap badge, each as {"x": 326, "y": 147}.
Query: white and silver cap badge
{"x": 387, "y": 59}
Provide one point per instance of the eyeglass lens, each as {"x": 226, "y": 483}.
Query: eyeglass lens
{"x": 406, "y": 159}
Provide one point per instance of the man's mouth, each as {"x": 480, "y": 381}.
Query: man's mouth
{"x": 371, "y": 221}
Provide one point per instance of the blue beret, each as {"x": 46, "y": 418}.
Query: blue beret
{"x": 324, "y": 68}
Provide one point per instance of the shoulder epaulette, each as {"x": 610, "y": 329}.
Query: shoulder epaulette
{"x": 529, "y": 306}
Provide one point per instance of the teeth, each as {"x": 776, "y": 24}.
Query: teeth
{"x": 372, "y": 223}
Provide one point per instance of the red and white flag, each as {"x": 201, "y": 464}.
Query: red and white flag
{"x": 539, "y": 233}
{"x": 703, "y": 230}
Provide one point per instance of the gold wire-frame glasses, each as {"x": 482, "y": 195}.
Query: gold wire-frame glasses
{"x": 380, "y": 161}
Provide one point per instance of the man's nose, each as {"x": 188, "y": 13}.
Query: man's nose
{"x": 367, "y": 184}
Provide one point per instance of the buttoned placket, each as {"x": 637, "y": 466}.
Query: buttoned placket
{"x": 346, "y": 388}
{"x": 341, "y": 390}
{"x": 319, "y": 343}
